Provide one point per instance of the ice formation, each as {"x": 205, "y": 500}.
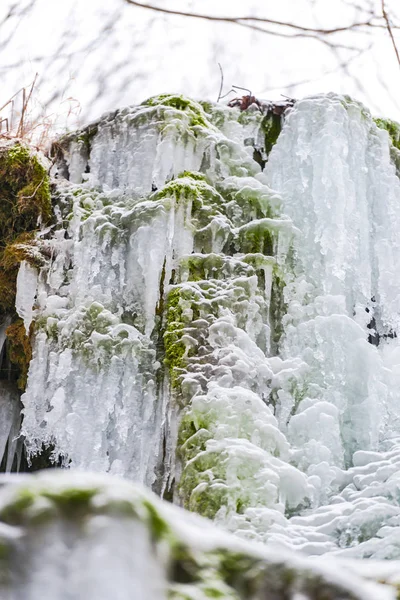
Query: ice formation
{"x": 221, "y": 325}
{"x": 26, "y": 293}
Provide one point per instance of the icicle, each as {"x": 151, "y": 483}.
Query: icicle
{"x": 26, "y": 292}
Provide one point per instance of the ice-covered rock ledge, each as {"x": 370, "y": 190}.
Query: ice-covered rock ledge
{"x": 79, "y": 536}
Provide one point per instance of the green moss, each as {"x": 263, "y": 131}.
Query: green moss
{"x": 278, "y": 307}
{"x": 271, "y": 126}
{"x": 207, "y": 106}
{"x": 8, "y": 282}
{"x": 174, "y": 347}
{"x": 192, "y": 190}
{"x": 25, "y": 192}
{"x": 193, "y": 175}
{"x": 392, "y": 128}
{"x": 179, "y": 188}
{"x": 191, "y": 186}
{"x": 257, "y": 239}
{"x": 203, "y": 266}
{"x": 211, "y": 592}
{"x": 159, "y": 527}
{"x": 24, "y": 201}
{"x": 95, "y": 334}
{"x": 197, "y": 116}
{"x": 23, "y": 247}
{"x": 193, "y": 434}
{"x": 86, "y": 136}
{"x": 11, "y": 513}
{"x": 71, "y": 500}
{"x": 244, "y": 203}
{"x": 206, "y": 502}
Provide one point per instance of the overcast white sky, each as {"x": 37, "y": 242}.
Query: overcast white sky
{"x": 105, "y": 54}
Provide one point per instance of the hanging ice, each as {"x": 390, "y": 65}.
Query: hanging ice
{"x": 26, "y": 293}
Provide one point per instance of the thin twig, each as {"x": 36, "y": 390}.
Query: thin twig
{"x": 237, "y": 87}
{"x": 34, "y": 193}
{"x": 389, "y": 28}
{"x": 26, "y": 103}
{"x": 21, "y": 121}
{"x": 1, "y": 125}
{"x": 227, "y": 94}
{"x": 11, "y": 99}
{"x": 31, "y": 90}
{"x": 221, "y": 84}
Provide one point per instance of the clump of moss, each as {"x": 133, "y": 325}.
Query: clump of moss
{"x": 201, "y": 267}
{"x": 197, "y": 115}
{"x": 180, "y": 188}
{"x": 19, "y": 350}
{"x": 11, "y": 512}
{"x": 256, "y": 239}
{"x": 271, "y": 126}
{"x": 7, "y": 290}
{"x": 72, "y": 500}
{"x": 193, "y": 175}
{"x": 278, "y": 307}
{"x": 24, "y": 247}
{"x": 86, "y": 136}
{"x": 25, "y": 202}
{"x": 174, "y": 347}
{"x": 392, "y": 128}
{"x": 193, "y": 187}
{"x": 25, "y": 192}
{"x": 159, "y": 527}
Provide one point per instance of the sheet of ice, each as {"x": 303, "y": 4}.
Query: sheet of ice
{"x": 333, "y": 169}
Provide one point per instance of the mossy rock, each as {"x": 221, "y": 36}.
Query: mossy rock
{"x": 194, "y": 109}
{"x": 19, "y": 350}
{"x": 392, "y": 128}
{"x": 24, "y": 192}
{"x": 25, "y": 204}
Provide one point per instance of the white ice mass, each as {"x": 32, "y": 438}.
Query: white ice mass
{"x": 221, "y": 326}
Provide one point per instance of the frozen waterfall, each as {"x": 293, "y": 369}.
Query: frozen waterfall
{"x": 219, "y": 322}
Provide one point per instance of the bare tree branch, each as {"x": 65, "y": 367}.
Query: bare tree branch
{"x": 247, "y": 21}
{"x": 389, "y": 28}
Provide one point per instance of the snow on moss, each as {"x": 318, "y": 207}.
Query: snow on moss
{"x": 146, "y": 545}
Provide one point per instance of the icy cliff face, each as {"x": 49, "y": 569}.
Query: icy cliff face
{"x": 222, "y": 333}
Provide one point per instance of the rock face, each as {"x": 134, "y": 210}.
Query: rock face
{"x": 212, "y": 311}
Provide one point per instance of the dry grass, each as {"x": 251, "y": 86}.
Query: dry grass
{"x": 23, "y": 117}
